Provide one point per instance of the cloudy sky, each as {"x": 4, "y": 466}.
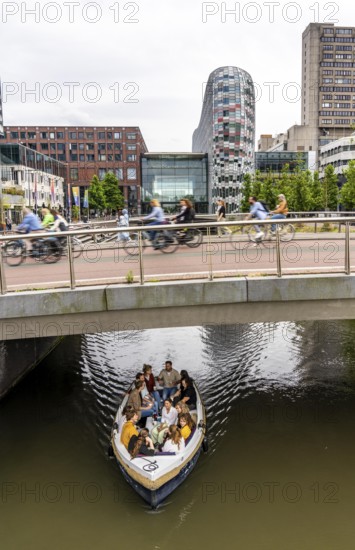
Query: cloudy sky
{"x": 145, "y": 63}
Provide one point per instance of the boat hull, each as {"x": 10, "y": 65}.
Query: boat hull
{"x": 156, "y": 497}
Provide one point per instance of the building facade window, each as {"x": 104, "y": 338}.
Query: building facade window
{"x": 74, "y": 174}
{"x": 131, "y": 173}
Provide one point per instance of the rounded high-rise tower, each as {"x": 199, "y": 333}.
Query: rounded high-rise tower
{"x": 227, "y": 133}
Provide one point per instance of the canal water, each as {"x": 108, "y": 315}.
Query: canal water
{"x": 279, "y": 473}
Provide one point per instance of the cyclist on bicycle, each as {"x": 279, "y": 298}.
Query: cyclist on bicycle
{"x": 29, "y": 223}
{"x": 187, "y": 212}
{"x": 280, "y": 211}
{"x": 48, "y": 218}
{"x": 157, "y": 214}
{"x": 258, "y": 211}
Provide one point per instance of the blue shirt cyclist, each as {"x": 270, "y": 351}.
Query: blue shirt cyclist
{"x": 30, "y": 222}
{"x": 257, "y": 211}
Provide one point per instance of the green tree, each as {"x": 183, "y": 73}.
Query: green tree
{"x": 246, "y": 192}
{"x": 347, "y": 192}
{"x": 330, "y": 189}
{"x": 269, "y": 191}
{"x": 256, "y": 185}
{"x": 284, "y": 183}
{"x": 97, "y": 199}
{"x": 316, "y": 199}
{"x": 113, "y": 196}
{"x": 299, "y": 191}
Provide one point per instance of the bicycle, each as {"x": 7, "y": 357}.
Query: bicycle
{"x": 191, "y": 236}
{"x": 164, "y": 241}
{"x": 76, "y": 245}
{"x": 286, "y": 232}
{"x": 47, "y": 249}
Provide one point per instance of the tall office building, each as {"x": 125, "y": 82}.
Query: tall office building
{"x": 226, "y": 133}
{"x": 328, "y": 87}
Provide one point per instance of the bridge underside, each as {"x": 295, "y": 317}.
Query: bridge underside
{"x": 187, "y": 303}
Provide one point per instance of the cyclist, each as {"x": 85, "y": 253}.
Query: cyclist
{"x": 187, "y": 215}
{"x": 48, "y": 218}
{"x": 157, "y": 214}
{"x": 187, "y": 212}
{"x": 280, "y": 211}
{"x": 258, "y": 211}
{"x": 29, "y": 223}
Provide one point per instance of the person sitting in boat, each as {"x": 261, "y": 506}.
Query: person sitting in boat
{"x": 169, "y": 378}
{"x": 181, "y": 407}
{"x": 174, "y": 443}
{"x": 129, "y": 428}
{"x": 148, "y": 399}
{"x": 169, "y": 416}
{"x": 187, "y": 393}
{"x": 123, "y": 419}
{"x": 141, "y": 444}
{"x": 135, "y": 399}
{"x": 186, "y": 425}
{"x": 150, "y": 383}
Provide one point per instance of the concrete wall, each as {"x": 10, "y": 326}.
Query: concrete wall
{"x": 18, "y": 357}
{"x": 168, "y": 304}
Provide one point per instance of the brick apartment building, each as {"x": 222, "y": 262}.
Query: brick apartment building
{"x": 88, "y": 151}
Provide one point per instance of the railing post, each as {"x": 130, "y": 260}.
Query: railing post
{"x": 278, "y": 252}
{"x": 210, "y": 266}
{"x": 71, "y": 265}
{"x": 2, "y": 273}
{"x": 347, "y": 249}
{"x": 140, "y": 251}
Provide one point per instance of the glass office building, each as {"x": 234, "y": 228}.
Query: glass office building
{"x": 170, "y": 177}
{"x": 275, "y": 161}
{"x": 227, "y": 133}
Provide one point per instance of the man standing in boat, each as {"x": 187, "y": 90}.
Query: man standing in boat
{"x": 169, "y": 379}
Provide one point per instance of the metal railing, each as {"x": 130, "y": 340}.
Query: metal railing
{"x": 210, "y": 242}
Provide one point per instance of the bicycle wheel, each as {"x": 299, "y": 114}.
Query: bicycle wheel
{"x": 165, "y": 243}
{"x": 14, "y": 253}
{"x": 193, "y": 238}
{"x": 287, "y": 232}
{"x": 49, "y": 251}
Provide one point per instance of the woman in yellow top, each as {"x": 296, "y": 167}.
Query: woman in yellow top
{"x": 280, "y": 211}
{"x": 186, "y": 425}
{"x": 129, "y": 428}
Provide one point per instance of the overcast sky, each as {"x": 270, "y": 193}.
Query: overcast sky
{"x": 145, "y": 63}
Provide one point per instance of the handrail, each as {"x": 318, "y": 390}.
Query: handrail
{"x": 168, "y": 226}
{"x": 208, "y": 244}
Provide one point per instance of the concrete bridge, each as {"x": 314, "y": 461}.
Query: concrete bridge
{"x": 57, "y": 313}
